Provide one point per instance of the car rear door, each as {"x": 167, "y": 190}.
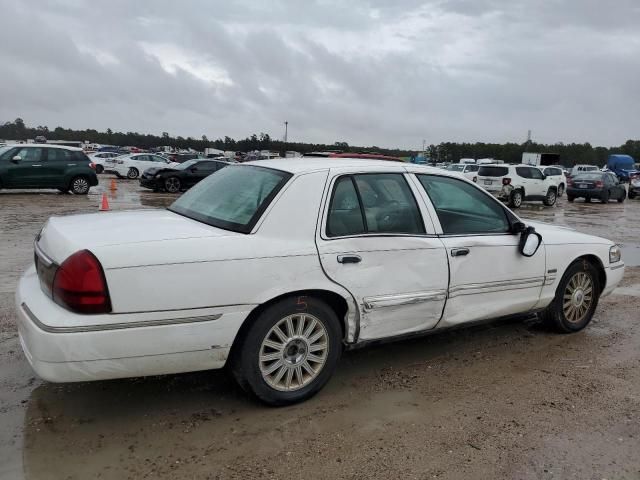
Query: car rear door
{"x": 56, "y": 163}
{"x": 489, "y": 277}
{"x": 377, "y": 241}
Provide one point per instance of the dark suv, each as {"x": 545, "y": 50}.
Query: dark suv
{"x": 46, "y": 166}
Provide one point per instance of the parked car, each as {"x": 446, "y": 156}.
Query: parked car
{"x": 634, "y": 186}
{"x": 576, "y": 169}
{"x": 517, "y": 183}
{"x": 277, "y": 266}
{"x": 468, "y": 170}
{"x": 623, "y": 166}
{"x": 604, "y": 186}
{"x": 46, "y": 166}
{"x": 180, "y": 177}
{"x": 557, "y": 175}
{"x": 99, "y": 158}
{"x": 131, "y": 166}
{"x": 183, "y": 157}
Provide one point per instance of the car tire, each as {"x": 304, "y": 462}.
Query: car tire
{"x": 621, "y": 199}
{"x": 276, "y": 367}
{"x": 79, "y": 185}
{"x": 605, "y": 196}
{"x": 550, "y": 198}
{"x": 632, "y": 195}
{"x": 132, "y": 173}
{"x": 560, "y": 190}
{"x": 570, "y": 198}
{"x": 576, "y": 298}
{"x": 515, "y": 199}
{"x": 99, "y": 169}
{"x": 172, "y": 184}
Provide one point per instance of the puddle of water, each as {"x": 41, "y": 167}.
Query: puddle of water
{"x": 630, "y": 254}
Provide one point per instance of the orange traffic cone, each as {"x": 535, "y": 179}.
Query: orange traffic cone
{"x": 113, "y": 185}
{"x": 104, "y": 206}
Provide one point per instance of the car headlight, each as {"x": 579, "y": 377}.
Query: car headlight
{"x": 615, "y": 254}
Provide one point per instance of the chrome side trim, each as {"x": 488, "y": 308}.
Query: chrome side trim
{"x": 48, "y": 261}
{"x": 617, "y": 267}
{"x": 117, "y": 326}
{"x": 490, "y": 287}
{"x": 383, "y": 301}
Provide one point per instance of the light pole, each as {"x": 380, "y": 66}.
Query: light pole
{"x": 286, "y": 131}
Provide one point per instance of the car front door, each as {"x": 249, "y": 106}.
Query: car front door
{"x": 378, "y": 242}
{"x": 489, "y": 277}
{"x": 537, "y": 182}
{"x": 25, "y": 171}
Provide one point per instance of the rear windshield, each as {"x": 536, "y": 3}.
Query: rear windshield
{"x": 493, "y": 171}
{"x": 232, "y": 198}
{"x": 588, "y": 176}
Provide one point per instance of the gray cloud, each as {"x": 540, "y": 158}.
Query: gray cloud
{"x": 376, "y": 72}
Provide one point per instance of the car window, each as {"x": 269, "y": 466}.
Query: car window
{"x": 234, "y": 198}
{"x": 472, "y": 168}
{"x": 373, "y": 203}
{"x": 463, "y": 208}
{"x": 59, "y": 155}
{"x": 206, "y": 166}
{"x": 28, "y": 154}
{"x": 550, "y": 171}
{"x": 535, "y": 174}
{"x": 524, "y": 172}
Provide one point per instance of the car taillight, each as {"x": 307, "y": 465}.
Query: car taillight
{"x": 475, "y": 179}
{"x": 598, "y": 184}
{"x": 506, "y": 181}
{"x": 80, "y": 286}
{"x": 92, "y": 165}
{"x": 569, "y": 182}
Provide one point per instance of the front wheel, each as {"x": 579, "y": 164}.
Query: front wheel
{"x": 290, "y": 351}
{"x": 550, "y": 199}
{"x": 132, "y": 173}
{"x": 80, "y": 185}
{"x": 576, "y": 298}
{"x": 172, "y": 184}
{"x": 515, "y": 199}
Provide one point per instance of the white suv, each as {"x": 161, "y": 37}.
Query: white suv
{"x": 556, "y": 173}
{"x": 516, "y": 183}
{"x": 468, "y": 170}
{"x": 132, "y": 166}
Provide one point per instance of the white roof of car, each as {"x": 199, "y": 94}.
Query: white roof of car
{"x": 310, "y": 164}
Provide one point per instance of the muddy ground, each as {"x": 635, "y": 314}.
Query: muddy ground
{"x": 501, "y": 401}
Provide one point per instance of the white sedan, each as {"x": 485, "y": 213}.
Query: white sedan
{"x": 277, "y": 266}
{"x": 132, "y": 166}
{"x": 99, "y": 159}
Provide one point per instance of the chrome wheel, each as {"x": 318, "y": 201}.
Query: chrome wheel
{"x": 132, "y": 173}
{"x": 172, "y": 185}
{"x": 293, "y": 352}
{"x": 578, "y": 297}
{"x": 80, "y": 185}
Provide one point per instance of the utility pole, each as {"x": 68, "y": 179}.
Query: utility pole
{"x": 286, "y": 131}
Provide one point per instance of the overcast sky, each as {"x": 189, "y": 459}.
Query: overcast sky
{"x": 379, "y": 72}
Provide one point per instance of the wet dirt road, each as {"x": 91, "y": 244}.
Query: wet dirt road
{"x": 508, "y": 400}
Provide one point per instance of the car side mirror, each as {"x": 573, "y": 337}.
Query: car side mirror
{"x": 518, "y": 227}
{"x": 530, "y": 241}
{"x": 16, "y": 159}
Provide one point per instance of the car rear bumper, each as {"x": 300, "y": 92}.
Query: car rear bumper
{"x": 65, "y": 347}
{"x": 584, "y": 192}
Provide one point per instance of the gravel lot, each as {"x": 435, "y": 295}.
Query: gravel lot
{"x": 508, "y": 400}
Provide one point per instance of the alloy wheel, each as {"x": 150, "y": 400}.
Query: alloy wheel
{"x": 578, "y": 297}
{"x": 80, "y": 185}
{"x": 293, "y": 352}
{"x": 172, "y": 185}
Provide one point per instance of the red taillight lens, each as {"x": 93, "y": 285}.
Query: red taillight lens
{"x": 599, "y": 184}
{"x": 506, "y": 181}
{"x": 92, "y": 165}
{"x": 569, "y": 182}
{"x": 80, "y": 286}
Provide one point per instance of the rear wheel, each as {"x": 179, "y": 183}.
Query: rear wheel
{"x": 605, "y": 196}
{"x": 560, "y": 190}
{"x": 515, "y": 199}
{"x": 571, "y": 198}
{"x": 550, "y": 199}
{"x": 132, "y": 173}
{"x": 576, "y": 298}
{"x": 290, "y": 351}
{"x": 80, "y": 185}
{"x": 631, "y": 195}
{"x": 99, "y": 169}
{"x": 172, "y": 184}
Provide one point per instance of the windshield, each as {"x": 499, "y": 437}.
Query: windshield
{"x": 185, "y": 165}
{"x": 456, "y": 168}
{"x": 588, "y": 176}
{"x": 233, "y": 198}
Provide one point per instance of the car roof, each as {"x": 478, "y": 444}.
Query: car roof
{"x": 311, "y": 164}
{"x": 48, "y": 145}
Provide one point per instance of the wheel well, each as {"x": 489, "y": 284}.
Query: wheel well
{"x": 597, "y": 264}
{"x": 337, "y": 303}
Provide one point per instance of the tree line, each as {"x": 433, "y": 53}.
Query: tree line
{"x": 570, "y": 153}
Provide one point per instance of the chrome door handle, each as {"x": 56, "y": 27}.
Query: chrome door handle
{"x": 349, "y": 258}
{"x": 36, "y": 165}
{"x": 459, "y": 252}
